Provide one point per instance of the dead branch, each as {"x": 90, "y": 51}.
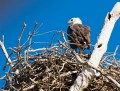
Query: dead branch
{"x": 8, "y": 60}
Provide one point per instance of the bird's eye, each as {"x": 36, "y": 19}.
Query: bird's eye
{"x": 71, "y": 19}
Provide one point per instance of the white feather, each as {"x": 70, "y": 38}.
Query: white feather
{"x": 73, "y": 21}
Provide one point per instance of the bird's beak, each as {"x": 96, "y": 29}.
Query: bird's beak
{"x": 68, "y": 22}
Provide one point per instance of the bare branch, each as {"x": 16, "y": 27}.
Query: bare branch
{"x": 5, "y": 53}
{"x": 2, "y": 39}
{"x": 116, "y": 50}
{"x": 76, "y": 55}
{"x": 1, "y": 78}
{"x": 24, "y": 26}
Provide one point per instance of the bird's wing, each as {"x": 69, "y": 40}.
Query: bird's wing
{"x": 80, "y": 33}
{"x": 75, "y": 34}
{"x": 85, "y": 32}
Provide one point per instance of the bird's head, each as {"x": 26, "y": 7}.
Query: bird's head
{"x": 73, "y": 21}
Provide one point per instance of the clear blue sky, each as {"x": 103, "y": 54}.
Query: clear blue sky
{"x": 53, "y": 14}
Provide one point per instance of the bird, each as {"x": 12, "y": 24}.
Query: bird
{"x": 78, "y": 35}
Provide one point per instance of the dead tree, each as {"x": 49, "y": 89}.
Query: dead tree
{"x": 99, "y": 49}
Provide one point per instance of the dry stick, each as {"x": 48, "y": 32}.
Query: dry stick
{"x": 20, "y": 48}
{"x": 115, "y": 71}
{"x": 31, "y": 35}
{"x": 38, "y": 35}
{"x": 110, "y": 55}
{"x": 1, "y": 78}
{"x": 5, "y": 53}
{"x": 52, "y": 40}
{"x": 76, "y": 55}
{"x": 63, "y": 36}
{"x": 24, "y": 26}
{"x": 47, "y": 32}
{"x": 3, "y": 39}
{"x": 68, "y": 73}
{"x": 8, "y": 78}
{"x": 19, "y": 39}
{"x": 29, "y": 88}
{"x": 114, "y": 61}
{"x": 100, "y": 48}
{"x": 116, "y": 50}
{"x": 26, "y": 58}
{"x": 33, "y": 84}
{"x": 13, "y": 51}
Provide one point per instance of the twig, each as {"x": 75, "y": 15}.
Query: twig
{"x": 1, "y": 78}
{"x": 63, "y": 36}
{"x": 116, "y": 50}
{"x": 76, "y": 55}
{"x": 68, "y": 73}
{"x": 2, "y": 39}
{"x": 31, "y": 35}
{"x": 24, "y": 26}
{"x": 47, "y": 32}
{"x": 5, "y": 53}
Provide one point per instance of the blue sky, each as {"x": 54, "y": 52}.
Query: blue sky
{"x": 53, "y": 15}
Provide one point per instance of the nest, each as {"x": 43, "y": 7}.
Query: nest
{"x": 54, "y": 69}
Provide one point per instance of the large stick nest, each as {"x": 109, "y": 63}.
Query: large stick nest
{"x": 54, "y": 69}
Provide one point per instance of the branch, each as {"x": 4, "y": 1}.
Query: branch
{"x": 100, "y": 48}
{"x": 5, "y": 53}
{"x": 24, "y": 26}
{"x": 73, "y": 52}
{"x": 101, "y": 45}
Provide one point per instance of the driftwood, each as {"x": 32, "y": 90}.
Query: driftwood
{"x": 59, "y": 68}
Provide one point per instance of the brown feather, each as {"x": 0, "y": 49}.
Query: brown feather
{"x": 79, "y": 34}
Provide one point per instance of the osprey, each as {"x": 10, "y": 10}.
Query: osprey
{"x": 78, "y": 35}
